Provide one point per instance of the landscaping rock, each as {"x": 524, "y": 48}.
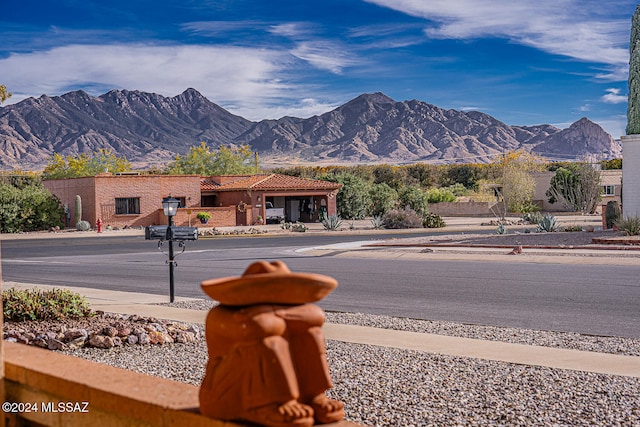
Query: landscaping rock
{"x": 104, "y": 331}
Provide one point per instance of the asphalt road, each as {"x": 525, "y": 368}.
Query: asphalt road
{"x": 598, "y": 300}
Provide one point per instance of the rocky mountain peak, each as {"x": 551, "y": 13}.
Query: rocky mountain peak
{"x": 148, "y": 127}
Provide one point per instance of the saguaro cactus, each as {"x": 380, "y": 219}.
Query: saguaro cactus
{"x": 633, "y": 109}
{"x": 77, "y": 213}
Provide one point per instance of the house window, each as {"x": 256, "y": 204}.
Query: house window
{"x": 182, "y": 200}
{"x": 127, "y": 205}
{"x": 609, "y": 190}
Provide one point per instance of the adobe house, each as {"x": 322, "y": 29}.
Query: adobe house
{"x": 135, "y": 200}
{"x": 303, "y": 200}
{"x": 610, "y": 181}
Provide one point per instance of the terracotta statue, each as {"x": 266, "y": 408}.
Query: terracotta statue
{"x": 267, "y": 361}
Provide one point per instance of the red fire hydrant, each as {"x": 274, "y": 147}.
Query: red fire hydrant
{"x": 99, "y": 225}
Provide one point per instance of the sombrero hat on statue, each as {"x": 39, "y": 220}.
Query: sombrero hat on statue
{"x": 269, "y": 283}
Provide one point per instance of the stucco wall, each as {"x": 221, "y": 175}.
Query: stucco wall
{"x": 469, "y": 208}
{"x": 631, "y": 175}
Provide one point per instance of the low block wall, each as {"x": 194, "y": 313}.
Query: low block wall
{"x": 470, "y": 208}
{"x": 72, "y": 392}
{"x": 220, "y": 217}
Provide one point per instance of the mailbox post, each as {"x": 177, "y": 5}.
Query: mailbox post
{"x": 170, "y": 234}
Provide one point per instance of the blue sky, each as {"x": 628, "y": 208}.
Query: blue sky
{"x": 524, "y": 62}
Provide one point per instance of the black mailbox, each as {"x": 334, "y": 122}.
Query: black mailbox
{"x": 155, "y": 232}
{"x": 182, "y": 233}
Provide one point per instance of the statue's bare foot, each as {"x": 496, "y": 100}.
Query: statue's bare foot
{"x": 327, "y": 410}
{"x": 288, "y": 414}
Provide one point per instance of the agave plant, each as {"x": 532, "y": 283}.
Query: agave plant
{"x": 629, "y": 225}
{"x": 377, "y": 222}
{"x": 332, "y": 222}
{"x": 548, "y": 224}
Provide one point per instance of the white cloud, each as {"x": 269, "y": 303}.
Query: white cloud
{"x": 308, "y": 107}
{"x": 220, "y": 73}
{"x": 563, "y": 27}
{"x": 324, "y": 55}
{"x": 615, "y": 125}
{"x": 613, "y": 97}
{"x": 246, "y": 81}
{"x": 292, "y": 29}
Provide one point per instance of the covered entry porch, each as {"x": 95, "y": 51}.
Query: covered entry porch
{"x": 302, "y": 208}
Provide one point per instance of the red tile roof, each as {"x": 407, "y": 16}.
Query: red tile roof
{"x": 268, "y": 182}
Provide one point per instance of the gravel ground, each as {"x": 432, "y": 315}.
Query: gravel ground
{"x": 394, "y": 387}
{"x": 574, "y": 341}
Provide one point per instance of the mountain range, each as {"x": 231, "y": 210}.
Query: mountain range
{"x": 149, "y": 128}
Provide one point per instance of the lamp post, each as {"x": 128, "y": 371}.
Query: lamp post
{"x": 170, "y": 207}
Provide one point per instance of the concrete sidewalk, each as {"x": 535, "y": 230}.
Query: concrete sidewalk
{"x": 145, "y": 305}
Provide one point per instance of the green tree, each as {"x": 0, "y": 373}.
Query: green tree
{"x": 202, "y": 160}
{"x": 394, "y": 176}
{"x": 577, "y": 186}
{"x": 354, "y": 200}
{"x": 414, "y": 198}
{"x": 518, "y": 185}
{"x": 84, "y": 165}
{"x": 422, "y": 173}
{"x": 383, "y": 199}
{"x": 465, "y": 174}
{"x": 29, "y": 208}
{"x": 611, "y": 164}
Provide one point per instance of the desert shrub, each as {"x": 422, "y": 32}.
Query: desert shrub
{"x": 438, "y": 195}
{"x": 353, "y": 201}
{"x": 532, "y": 217}
{"x": 297, "y": 227}
{"x": 458, "y": 189}
{"x": 414, "y": 198}
{"x": 332, "y": 222}
{"x": 526, "y": 207}
{"x": 432, "y": 220}
{"x": 571, "y": 228}
{"x": 383, "y": 199}
{"x": 402, "y": 218}
{"x": 29, "y": 208}
{"x": 630, "y": 225}
{"x": 35, "y": 304}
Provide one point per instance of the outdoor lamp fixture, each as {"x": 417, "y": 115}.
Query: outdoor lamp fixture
{"x": 170, "y": 234}
{"x": 170, "y": 207}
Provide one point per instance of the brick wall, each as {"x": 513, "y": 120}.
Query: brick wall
{"x": 220, "y": 217}
{"x": 67, "y": 189}
{"x": 99, "y": 194}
